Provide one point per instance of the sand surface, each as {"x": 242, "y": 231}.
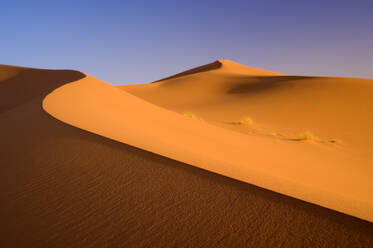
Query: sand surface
{"x": 64, "y": 187}
{"x": 325, "y": 173}
{"x": 330, "y": 108}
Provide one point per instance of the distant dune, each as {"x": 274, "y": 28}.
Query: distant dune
{"x": 332, "y": 108}
{"x": 62, "y": 186}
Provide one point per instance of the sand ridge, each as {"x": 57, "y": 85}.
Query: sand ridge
{"x": 314, "y": 173}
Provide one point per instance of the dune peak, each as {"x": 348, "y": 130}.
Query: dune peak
{"x": 223, "y": 66}
{"x": 227, "y": 62}
{"x": 234, "y": 67}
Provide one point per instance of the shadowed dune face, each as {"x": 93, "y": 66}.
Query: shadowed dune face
{"x": 61, "y": 186}
{"x": 19, "y": 85}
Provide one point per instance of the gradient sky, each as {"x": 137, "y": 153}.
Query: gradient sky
{"x": 139, "y": 41}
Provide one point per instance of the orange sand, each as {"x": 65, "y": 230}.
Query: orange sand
{"x": 62, "y": 186}
{"x": 333, "y": 175}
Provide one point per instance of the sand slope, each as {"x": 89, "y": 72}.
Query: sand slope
{"x": 61, "y": 186}
{"x": 318, "y": 173}
{"x": 330, "y": 108}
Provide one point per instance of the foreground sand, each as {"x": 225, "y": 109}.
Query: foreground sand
{"x": 64, "y": 187}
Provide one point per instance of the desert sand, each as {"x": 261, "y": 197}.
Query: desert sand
{"x": 326, "y": 175}
{"x": 62, "y": 186}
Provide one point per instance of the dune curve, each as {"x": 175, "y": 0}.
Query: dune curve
{"x": 295, "y": 169}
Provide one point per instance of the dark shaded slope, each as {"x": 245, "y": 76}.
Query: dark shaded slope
{"x": 28, "y": 83}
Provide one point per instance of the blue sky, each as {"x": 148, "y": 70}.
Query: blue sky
{"x": 141, "y": 41}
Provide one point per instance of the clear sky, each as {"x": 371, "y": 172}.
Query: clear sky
{"x": 141, "y": 41}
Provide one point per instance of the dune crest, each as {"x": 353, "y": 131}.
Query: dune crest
{"x": 312, "y": 173}
{"x": 229, "y": 66}
{"x": 225, "y": 66}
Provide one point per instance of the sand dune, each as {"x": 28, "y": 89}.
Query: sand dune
{"x": 64, "y": 187}
{"x": 325, "y": 175}
{"x": 331, "y": 108}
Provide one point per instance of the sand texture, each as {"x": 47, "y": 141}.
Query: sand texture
{"x": 62, "y": 186}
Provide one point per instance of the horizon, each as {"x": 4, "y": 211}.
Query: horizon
{"x": 144, "y": 41}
